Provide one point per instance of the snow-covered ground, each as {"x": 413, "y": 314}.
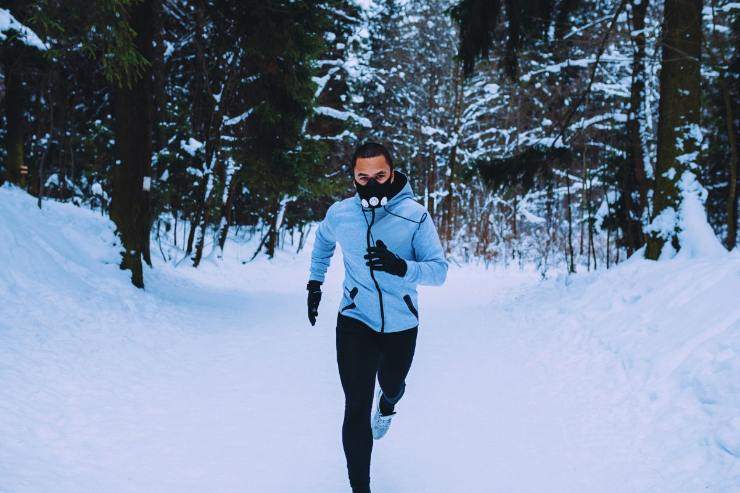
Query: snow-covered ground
{"x": 213, "y": 380}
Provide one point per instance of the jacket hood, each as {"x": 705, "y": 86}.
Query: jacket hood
{"x": 404, "y": 192}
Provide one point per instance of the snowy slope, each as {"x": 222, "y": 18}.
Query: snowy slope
{"x": 212, "y": 379}
{"x": 669, "y": 332}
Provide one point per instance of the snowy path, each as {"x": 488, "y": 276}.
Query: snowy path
{"x": 234, "y": 391}
{"x": 531, "y": 411}
{"x": 212, "y": 380}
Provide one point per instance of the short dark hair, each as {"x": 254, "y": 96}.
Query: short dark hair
{"x": 371, "y": 149}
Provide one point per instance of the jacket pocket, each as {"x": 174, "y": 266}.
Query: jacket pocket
{"x": 410, "y": 305}
{"x": 351, "y": 304}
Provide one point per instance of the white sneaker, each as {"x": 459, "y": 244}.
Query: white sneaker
{"x": 380, "y": 423}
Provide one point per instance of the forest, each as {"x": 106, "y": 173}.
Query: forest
{"x": 564, "y": 133}
{"x": 547, "y": 297}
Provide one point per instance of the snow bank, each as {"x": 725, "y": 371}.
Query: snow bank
{"x": 51, "y": 254}
{"x": 674, "y": 329}
{"x": 105, "y": 387}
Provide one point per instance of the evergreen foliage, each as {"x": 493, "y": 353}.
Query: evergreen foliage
{"x": 528, "y": 129}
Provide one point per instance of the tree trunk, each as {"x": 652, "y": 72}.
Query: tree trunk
{"x": 195, "y": 220}
{"x": 212, "y": 139}
{"x": 449, "y": 203}
{"x": 205, "y": 218}
{"x": 678, "y": 114}
{"x": 14, "y": 101}
{"x": 174, "y": 230}
{"x": 571, "y": 261}
{"x": 272, "y": 234}
{"x": 591, "y": 250}
{"x": 448, "y": 230}
{"x": 634, "y": 179}
{"x": 731, "y": 165}
{"x": 226, "y": 208}
{"x": 133, "y": 108}
{"x": 582, "y": 218}
{"x": 47, "y": 149}
{"x": 514, "y": 228}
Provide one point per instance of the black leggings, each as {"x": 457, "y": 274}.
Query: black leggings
{"x": 361, "y": 354}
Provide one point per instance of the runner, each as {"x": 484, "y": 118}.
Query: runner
{"x": 390, "y": 245}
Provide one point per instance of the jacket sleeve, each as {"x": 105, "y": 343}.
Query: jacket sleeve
{"x": 430, "y": 265}
{"x": 323, "y": 248}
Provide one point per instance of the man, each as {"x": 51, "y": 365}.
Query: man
{"x": 390, "y": 245}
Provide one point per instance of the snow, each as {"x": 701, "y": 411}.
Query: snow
{"x": 664, "y": 224}
{"x": 237, "y": 119}
{"x": 587, "y": 122}
{"x": 25, "y": 34}
{"x": 696, "y": 236}
{"x": 191, "y": 146}
{"x": 169, "y": 49}
{"x": 365, "y": 4}
{"x": 211, "y": 379}
{"x": 492, "y": 88}
{"x": 343, "y": 115}
{"x": 321, "y": 81}
{"x": 690, "y": 222}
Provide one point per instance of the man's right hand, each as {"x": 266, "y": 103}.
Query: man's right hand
{"x": 314, "y": 298}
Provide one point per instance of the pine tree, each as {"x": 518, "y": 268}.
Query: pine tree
{"x": 20, "y": 55}
{"x": 679, "y": 133}
{"x": 133, "y": 110}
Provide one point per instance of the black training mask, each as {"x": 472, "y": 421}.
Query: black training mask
{"x": 374, "y": 194}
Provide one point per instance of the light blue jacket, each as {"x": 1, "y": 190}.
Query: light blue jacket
{"x": 387, "y": 303}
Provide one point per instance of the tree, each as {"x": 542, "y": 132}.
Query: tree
{"x": 679, "y": 133}
{"x": 20, "y": 51}
{"x": 133, "y": 109}
{"x": 721, "y": 88}
{"x": 633, "y": 177}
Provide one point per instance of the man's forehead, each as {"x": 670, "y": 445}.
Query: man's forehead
{"x": 371, "y": 165}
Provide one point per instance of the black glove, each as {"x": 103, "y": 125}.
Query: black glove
{"x": 314, "y": 298}
{"x": 380, "y": 258}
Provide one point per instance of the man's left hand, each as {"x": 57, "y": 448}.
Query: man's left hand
{"x": 378, "y": 257}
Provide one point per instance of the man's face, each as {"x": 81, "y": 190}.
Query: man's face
{"x": 376, "y": 167}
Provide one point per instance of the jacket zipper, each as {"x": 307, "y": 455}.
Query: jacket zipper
{"x": 372, "y": 274}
